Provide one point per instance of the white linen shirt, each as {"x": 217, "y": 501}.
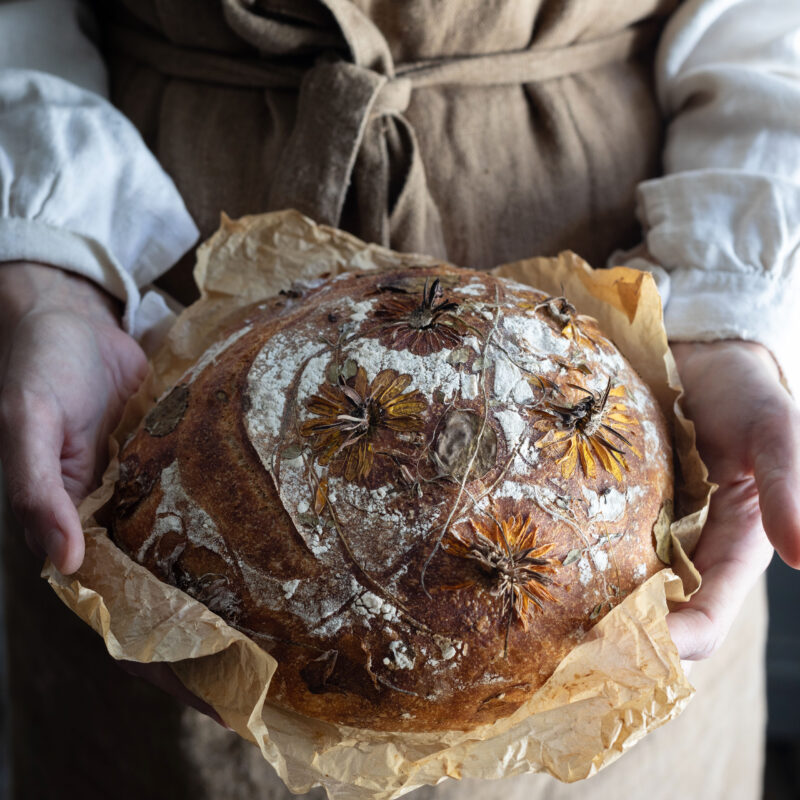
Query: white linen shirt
{"x": 80, "y": 190}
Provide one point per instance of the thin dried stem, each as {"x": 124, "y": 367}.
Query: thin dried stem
{"x": 476, "y": 449}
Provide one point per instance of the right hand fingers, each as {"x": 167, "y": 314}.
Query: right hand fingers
{"x": 31, "y": 437}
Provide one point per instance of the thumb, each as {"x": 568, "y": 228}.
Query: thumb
{"x": 775, "y": 454}
{"x": 31, "y": 438}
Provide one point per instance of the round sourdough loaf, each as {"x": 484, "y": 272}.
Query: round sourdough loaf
{"x": 416, "y": 489}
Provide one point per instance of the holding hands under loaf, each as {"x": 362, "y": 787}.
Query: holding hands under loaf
{"x": 67, "y": 369}
{"x": 748, "y": 433}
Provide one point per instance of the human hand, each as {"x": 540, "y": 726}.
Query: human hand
{"x": 66, "y": 371}
{"x": 748, "y": 434}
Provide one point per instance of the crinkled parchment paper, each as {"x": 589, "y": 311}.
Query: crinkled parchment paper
{"x": 623, "y": 680}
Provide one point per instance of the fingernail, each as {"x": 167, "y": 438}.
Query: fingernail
{"x": 53, "y": 542}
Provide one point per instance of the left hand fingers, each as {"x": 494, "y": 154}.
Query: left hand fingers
{"x": 732, "y": 553}
{"x": 748, "y": 432}
{"x": 775, "y": 451}
{"x": 699, "y": 627}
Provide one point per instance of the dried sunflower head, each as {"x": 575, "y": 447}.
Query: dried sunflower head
{"x": 585, "y": 430}
{"x": 507, "y": 553}
{"x": 421, "y": 326}
{"x": 566, "y": 316}
{"x": 351, "y": 413}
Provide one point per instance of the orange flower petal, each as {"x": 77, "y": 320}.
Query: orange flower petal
{"x": 361, "y": 384}
{"x": 569, "y": 460}
{"x": 321, "y": 496}
{"x": 404, "y": 424}
{"x": 407, "y": 405}
{"x": 388, "y": 385}
{"x": 587, "y": 461}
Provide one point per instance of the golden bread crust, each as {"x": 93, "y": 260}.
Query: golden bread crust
{"x": 417, "y": 489}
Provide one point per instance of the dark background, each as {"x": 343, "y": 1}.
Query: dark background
{"x": 782, "y": 773}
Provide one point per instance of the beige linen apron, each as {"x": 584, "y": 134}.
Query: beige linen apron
{"x": 479, "y": 131}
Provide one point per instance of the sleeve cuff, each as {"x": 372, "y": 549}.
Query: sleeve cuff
{"x": 708, "y": 306}
{"x": 80, "y": 190}
{"x": 722, "y": 221}
{"x": 33, "y": 240}
{"x": 728, "y": 246}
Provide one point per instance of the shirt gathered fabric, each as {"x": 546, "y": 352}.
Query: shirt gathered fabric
{"x": 80, "y": 189}
{"x": 723, "y": 223}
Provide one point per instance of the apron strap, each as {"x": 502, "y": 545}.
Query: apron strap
{"x": 333, "y": 111}
{"x": 349, "y": 127}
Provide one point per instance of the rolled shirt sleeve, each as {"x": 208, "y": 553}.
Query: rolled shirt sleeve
{"x": 723, "y": 223}
{"x": 78, "y": 187}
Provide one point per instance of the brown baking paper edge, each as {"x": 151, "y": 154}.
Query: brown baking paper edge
{"x": 623, "y": 680}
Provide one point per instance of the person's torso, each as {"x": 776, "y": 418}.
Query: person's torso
{"x": 480, "y": 131}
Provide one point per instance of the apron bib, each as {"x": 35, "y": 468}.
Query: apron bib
{"x": 476, "y": 132}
